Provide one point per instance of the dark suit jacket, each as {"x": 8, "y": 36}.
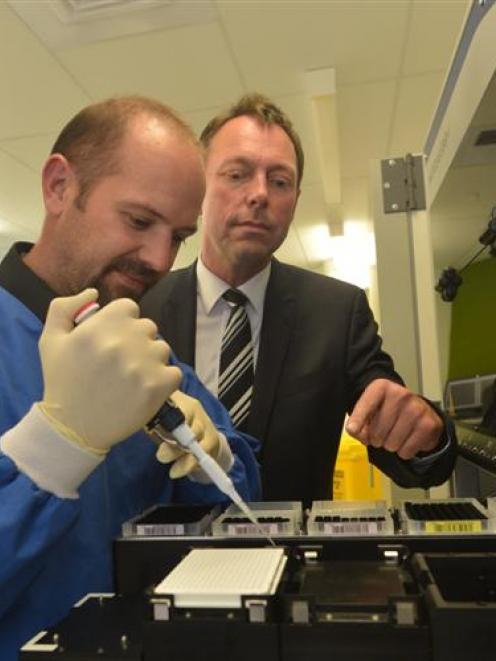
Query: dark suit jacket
{"x": 319, "y": 349}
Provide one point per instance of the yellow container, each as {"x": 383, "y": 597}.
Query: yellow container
{"x": 354, "y": 477}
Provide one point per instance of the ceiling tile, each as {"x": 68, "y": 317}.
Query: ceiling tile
{"x": 434, "y": 29}
{"x": 20, "y": 198}
{"x": 364, "y": 115}
{"x": 198, "y": 119}
{"x": 275, "y": 42}
{"x": 417, "y": 101}
{"x": 255, "y": 45}
{"x": 37, "y": 94}
{"x": 31, "y": 151}
{"x": 189, "y": 68}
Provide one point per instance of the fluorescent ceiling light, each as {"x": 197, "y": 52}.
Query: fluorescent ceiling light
{"x": 352, "y": 255}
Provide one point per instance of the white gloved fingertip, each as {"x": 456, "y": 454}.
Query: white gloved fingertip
{"x": 182, "y": 467}
{"x": 167, "y": 453}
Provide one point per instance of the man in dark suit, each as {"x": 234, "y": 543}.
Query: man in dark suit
{"x": 317, "y": 354}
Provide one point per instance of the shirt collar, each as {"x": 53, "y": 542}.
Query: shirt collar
{"x": 20, "y": 281}
{"x": 211, "y": 288}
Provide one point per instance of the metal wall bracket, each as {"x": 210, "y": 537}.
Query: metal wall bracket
{"x": 403, "y": 184}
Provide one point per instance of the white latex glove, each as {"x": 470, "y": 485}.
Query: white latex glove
{"x": 212, "y": 441}
{"x": 106, "y": 378}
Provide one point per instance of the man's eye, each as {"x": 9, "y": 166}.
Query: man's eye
{"x": 140, "y": 223}
{"x": 235, "y": 175}
{"x": 279, "y": 182}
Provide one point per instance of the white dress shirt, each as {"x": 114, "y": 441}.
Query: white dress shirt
{"x": 212, "y": 313}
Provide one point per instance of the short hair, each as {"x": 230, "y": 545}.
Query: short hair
{"x": 90, "y": 140}
{"x": 262, "y": 108}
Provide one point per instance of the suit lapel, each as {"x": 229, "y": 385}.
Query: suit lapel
{"x": 179, "y": 314}
{"x": 278, "y": 320}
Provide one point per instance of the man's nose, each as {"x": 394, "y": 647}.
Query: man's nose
{"x": 257, "y": 192}
{"x": 158, "y": 254}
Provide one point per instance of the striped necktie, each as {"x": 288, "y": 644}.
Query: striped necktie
{"x": 236, "y": 360}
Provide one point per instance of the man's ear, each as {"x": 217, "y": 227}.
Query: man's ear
{"x": 58, "y": 182}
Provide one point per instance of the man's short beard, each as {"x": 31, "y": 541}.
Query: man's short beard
{"x": 104, "y": 294}
{"x": 124, "y": 265}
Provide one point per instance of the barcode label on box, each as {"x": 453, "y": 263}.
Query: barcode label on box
{"x": 453, "y": 526}
{"x": 357, "y": 528}
{"x": 249, "y": 529}
{"x": 165, "y": 529}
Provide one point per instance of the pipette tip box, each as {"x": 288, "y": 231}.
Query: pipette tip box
{"x": 445, "y": 517}
{"x": 354, "y": 517}
{"x": 274, "y": 519}
{"x": 171, "y": 520}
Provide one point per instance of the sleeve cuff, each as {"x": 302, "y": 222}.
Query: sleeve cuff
{"x": 422, "y": 464}
{"x": 48, "y": 458}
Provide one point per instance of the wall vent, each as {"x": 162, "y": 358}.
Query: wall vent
{"x": 64, "y": 24}
{"x": 73, "y": 11}
{"x": 487, "y": 137}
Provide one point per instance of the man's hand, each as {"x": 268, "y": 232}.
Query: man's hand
{"x": 389, "y": 416}
{"x": 205, "y": 433}
{"x": 105, "y": 379}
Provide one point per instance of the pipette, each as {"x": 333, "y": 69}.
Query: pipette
{"x": 170, "y": 420}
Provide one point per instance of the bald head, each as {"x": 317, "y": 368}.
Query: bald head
{"x": 91, "y": 139}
